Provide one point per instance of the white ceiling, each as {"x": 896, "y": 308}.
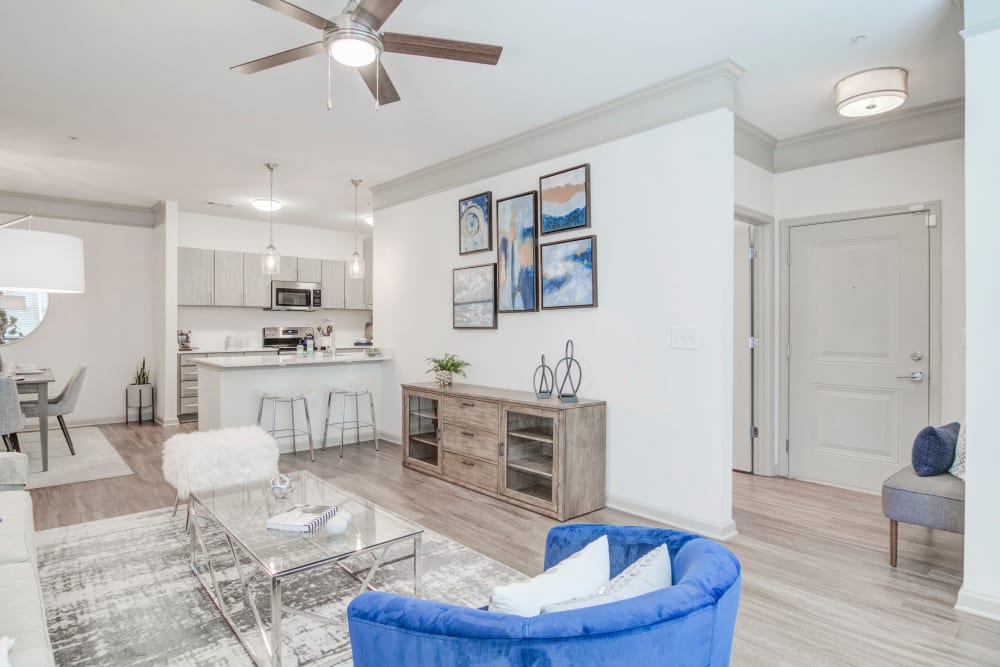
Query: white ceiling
{"x": 145, "y": 86}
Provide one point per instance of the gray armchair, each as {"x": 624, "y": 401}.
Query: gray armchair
{"x": 11, "y": 419}
{"x": 61, "y": 405}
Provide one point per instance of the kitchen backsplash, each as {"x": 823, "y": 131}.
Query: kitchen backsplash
{"x": 210, "y": 326}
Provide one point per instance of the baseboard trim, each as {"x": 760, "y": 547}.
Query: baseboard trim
{"x": 978, "y": 604}
{"x": 174, "y": 421}
{"x": 716, "y": 531}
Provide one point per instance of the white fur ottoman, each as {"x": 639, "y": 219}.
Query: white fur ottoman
{"x": 207, "y": 460}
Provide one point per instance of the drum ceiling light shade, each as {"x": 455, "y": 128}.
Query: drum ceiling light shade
{"x": 40, "y": 261}
{"x": 871, "y": 92}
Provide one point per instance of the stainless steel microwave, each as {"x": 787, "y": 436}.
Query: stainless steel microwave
{"x": 287, "y": 295}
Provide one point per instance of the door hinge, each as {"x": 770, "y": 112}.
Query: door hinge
{"x": 788, "y": 256}
{"x": 931, "y": 220}
{"x": 754, "y": 432}
{"x": 788, "y": 351}
{"x": 752, "y": 343}
{"x": 786, "y": 445}
{"x": 752, "y": 254}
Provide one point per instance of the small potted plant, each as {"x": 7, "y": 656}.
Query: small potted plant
{"x": 134, "y": 392}
{"x": 444, "y": 368}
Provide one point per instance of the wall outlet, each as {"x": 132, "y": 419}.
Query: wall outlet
{"x": 684, "y": 338}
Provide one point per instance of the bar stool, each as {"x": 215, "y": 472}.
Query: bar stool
{"x": 344, "y": 424}
{"x": 292, "y": 432}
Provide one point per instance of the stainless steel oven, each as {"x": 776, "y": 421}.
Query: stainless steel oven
{"x": 287, "y": 295}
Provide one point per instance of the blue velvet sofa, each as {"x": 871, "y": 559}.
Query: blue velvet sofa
{"x": 690, "y": 623}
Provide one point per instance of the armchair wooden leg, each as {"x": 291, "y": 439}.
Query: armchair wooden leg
{"x": 893, "y": 541}
{"x": 69, "y": 441}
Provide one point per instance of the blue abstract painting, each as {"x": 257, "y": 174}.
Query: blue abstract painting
{"x": 474, "y": 302}
{"x": 565, "y": 199}
{"x": 569, "y": 276}
{"x": 475, "y": 233}
{"x": 516, "y": 272}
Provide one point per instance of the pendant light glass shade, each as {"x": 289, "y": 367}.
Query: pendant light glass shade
{"x": 33, "y": 261}
{"x": 270, "y": 259}
{"x": 355, "y": 264}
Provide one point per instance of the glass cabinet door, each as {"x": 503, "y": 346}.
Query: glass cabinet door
{"x": 529, "y": 455}
{"x": 423, "y": 431}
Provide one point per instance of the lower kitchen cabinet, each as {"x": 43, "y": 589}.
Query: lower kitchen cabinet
{"x": 539, "y": 454}
{"x": 187, "y": 379}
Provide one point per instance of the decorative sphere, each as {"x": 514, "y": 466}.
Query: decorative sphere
{"x": 337, "y": 524}
{"x": 282, "y": 486}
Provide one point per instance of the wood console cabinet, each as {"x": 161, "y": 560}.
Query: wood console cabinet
{"x": 539, "y": 454}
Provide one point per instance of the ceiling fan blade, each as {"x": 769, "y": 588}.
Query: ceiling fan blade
{"x": 433, "y": 47}
{"x": 386, "y": 91}
{"x": 297, "y": 13}
{"x": 273, "y": 60}
{"x": 373, "y": 13}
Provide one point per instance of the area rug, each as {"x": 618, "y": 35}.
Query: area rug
{"x": 95, "y": 458}
{"x": 120, "y": 592}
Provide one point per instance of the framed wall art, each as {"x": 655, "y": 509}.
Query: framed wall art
{"x": 569, "y": 273}
{"x": 565, "y": 199}
{"x": 475, "y": 229}
{"x": 517, "y": 254}
{"x": 474, "y": 297}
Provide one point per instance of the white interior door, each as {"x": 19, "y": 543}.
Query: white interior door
{"x": 858, "y": 348}
{"x": 742, "y": 354}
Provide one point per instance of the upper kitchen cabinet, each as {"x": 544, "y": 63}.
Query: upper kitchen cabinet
{"x": 369, "y": 274}
{"x": 310, "y": 270}
{"x": 229, "y": 280}
{"x": 333, "y": 272}
{"x": 195, "y": 277}
{"x": 256, "y": 285}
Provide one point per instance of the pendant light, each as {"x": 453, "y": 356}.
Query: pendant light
{"x": 356, "y": 265}
{"x": 270, "y": 259}
{"x": 33, "y": 261}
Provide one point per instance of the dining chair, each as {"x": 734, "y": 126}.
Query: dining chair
{"x": 61, "y": 405}
{"x": 11, "y": 419}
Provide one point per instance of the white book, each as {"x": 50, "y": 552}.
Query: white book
{"x": 301, "y": 518}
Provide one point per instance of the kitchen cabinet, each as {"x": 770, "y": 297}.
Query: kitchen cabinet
{"x": 354, "y": 292}
{"x": 333, "y": 275}
{"x": 310, "y": 270}
{"x": 369, "y": 274}
{"x": 539, "y": 454}
{"x": 289, "y": 270}
{"x": 256, "y": 285}
{"x": 187, "y": 378}
{"x": 228, "y": 278}
{"x": 195, "y": 277}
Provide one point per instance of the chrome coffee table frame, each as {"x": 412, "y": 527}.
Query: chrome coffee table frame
{"x": 270, "y": 637}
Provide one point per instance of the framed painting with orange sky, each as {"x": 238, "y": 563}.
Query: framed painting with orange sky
{"x": 565, "y": 199}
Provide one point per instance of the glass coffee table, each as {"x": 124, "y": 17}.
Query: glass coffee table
{"x": 240, "y": 514}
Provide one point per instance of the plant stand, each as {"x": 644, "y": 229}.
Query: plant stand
{"x": 135, "y": 397}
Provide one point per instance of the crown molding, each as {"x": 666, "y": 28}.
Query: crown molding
{"x": 981, "y": 29}
{"x": 75, "y": 209}
{"x": 928, "y": 124}
{"x": 703, "y": 90}
{"x": 754, "y": 144}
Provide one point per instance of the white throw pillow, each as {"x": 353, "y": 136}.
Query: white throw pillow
{"x": 581, "y": 574}
{"x": 958, "y": 466}
{"x": 649, "y": 573}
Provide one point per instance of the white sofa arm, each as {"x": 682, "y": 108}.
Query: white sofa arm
{"x": 13, "y": 470}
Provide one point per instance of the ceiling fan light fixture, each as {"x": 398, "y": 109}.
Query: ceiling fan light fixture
{"x": 353, "y": 46}
{"x": 871, "y": 92}
{"x": 266, "y": 205}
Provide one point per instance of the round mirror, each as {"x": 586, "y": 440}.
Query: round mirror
{"x": 21, "y": 313}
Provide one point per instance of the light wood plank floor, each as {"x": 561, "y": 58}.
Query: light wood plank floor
{"x": 817, "y": 587}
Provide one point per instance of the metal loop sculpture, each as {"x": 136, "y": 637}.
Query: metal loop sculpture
{"x": 543, "y": 380}
{"x": 564, "y": 373}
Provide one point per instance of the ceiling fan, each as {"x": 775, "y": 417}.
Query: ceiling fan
{"x": 353, "y": 38}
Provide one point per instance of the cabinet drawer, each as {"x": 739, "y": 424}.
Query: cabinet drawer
{"x": 482, "y": 443}
{"x": 189, "y": 389}
{"x": 188, "y": 406}
{"x": 470, "y": 412}
{"x": 481, "y": 474}
{"x": 188, "y": 359}
{"x": 189, "y": 373}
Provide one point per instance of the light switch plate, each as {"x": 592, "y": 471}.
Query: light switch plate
{"x": 684, "y": 338}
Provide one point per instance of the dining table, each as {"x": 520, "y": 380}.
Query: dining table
{"x": 37, "y": 382}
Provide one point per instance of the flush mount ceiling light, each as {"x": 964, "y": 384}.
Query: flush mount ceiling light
{"x": 270, "y": 259}
{"x": 33, "y": 261}
{"x": 266, "y": 205}
{"x": 871, "y": 92}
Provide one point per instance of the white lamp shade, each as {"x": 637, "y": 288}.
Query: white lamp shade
{"x": 353, "y": 48}
{"x": 41, "y": 261}
{"x": 871, "y": 92}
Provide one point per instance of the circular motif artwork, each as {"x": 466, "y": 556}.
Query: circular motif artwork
{"x": 475, "y": 231}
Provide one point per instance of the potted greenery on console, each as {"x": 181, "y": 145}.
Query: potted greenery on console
{"x": 445, "y": 367}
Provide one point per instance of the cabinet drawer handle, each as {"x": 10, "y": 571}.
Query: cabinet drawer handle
{"x": 467, "y": 463}
{"x": 468, "y": 435}
{"x": 468, "y": 405}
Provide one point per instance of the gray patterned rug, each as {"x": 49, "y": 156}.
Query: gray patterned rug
{"x": 120, "y": 592}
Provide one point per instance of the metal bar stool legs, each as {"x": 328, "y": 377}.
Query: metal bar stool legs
{"x": 287, "y": 432}
{"x": 344, "y": 424}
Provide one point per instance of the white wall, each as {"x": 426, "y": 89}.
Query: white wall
{"x": 910, "y": 176}
{"x": 980, "y": 593}
{"x": 109, "y": 327}
{"x": 210, "y": 326}
{"x": 662, "y": 211}
{"x": 754, "y": 186}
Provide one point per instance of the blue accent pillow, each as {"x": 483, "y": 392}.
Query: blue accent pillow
{"x": 934, "y": 449}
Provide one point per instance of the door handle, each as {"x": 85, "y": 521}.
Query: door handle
{"x": 915, "y": 376}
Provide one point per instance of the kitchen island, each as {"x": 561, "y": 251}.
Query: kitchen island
{"x": 229, "y": 390}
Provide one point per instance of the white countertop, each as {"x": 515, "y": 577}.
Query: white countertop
{"x": 289, "y": 360}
